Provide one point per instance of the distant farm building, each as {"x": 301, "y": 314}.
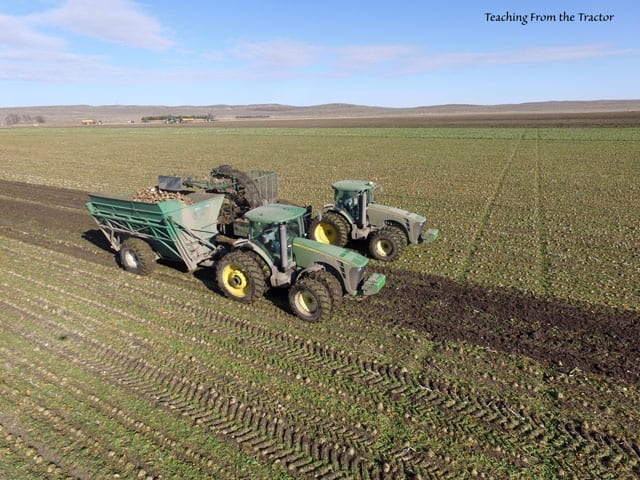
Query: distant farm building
{"x": 178, "y": 118}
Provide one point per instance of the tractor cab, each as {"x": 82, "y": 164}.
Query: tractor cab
{"x": 353, "y": 197}
{"x": 273, "y": 228}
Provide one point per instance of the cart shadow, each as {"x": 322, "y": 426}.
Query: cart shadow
{"x": 97, "y": 238}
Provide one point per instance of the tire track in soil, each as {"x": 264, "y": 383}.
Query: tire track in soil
{"x": 344, "y": 435}
{"x": 220, "y": 413}
{"x": 488, "y": 412}
{"x": 486, "y": 213}
{"x": 540, "y": 224}
{"x": 127, "y": 371}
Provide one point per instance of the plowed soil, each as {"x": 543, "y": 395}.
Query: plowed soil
{"x": 590, "y": 338}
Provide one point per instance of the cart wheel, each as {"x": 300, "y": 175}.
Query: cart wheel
{"x": 137, "y": 256}
{"x": 310, "y": 300}
{"x": 241, "y": 277}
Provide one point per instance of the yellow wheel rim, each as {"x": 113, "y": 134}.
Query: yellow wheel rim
{"x": 384, "y": 248}
{"x": 306, "y": 303}
{"x": 325, "y": 233}
{"x": 235, "y": 281}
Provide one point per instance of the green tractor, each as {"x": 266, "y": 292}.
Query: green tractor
{"x": 271, "y": 252}
{"x": 355, "y": 215}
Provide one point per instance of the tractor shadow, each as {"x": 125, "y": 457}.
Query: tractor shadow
{"x": 206, "y": 276}
{"x": 593, "y": 338}
{"x": 276, "y": 296}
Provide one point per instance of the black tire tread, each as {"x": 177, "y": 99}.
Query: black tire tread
{"x": 144, "y": 253}
{"x": 395, "y": 235}
{"x": 253, "y": 270}
{"x": 341, "y": 225}
{"x": 320, "y": 292}
{"x": 333, "y": 284}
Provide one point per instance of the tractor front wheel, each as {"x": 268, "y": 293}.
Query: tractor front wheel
{"x": 333, "y": 228}
{"x": 310, "y": 300}
{"x": 387, "y": 244}
{"x": 137, "y": 256}
{"x": 240, "y": 277}
{"x": 334, "y": 286}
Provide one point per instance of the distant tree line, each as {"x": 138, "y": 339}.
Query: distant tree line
{"x": 15, "y": 119}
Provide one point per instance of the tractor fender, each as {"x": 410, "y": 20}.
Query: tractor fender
{"x": 244, "y": 244}
{"x": 393, "y": 223}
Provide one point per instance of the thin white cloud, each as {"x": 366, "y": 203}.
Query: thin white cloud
{"x": 16, "y": 33}
{"x": 214, "y": 56}
{"x": 424, "y": 63}
{"x": 357, "y": 57}
{"x": 279, "y": 54}
{"x": 286, "y": 57}
{"x": 115, "y": 21}
{"x": 28, "y": 54}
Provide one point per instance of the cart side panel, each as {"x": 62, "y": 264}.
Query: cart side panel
{"x": 177, "y": 231}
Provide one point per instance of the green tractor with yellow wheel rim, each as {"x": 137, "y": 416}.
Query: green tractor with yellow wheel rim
{"x": 271, "y": 252}
{"x": 355, "y": 215}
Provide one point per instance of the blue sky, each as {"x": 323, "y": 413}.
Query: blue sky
{"x": 391, "y": 53}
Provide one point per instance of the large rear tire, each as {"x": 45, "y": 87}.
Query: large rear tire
{"x": 310, "y": 300}
{"x": 240, "y": 277}
{"x": 387, "y": 244}
{"x": 333, "y": 228}
{"x": 137, "y": 256}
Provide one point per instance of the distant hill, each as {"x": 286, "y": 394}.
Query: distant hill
{"x": 73, "y": 115}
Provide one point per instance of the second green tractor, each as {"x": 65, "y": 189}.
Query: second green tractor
{"x": 355, "y": 215}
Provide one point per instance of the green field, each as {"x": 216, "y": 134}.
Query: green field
{"x": 506, "y": 349}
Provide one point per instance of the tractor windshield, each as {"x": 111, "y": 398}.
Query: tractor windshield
{"x": 347, "y": 200}
{"x": 267, "y": 235}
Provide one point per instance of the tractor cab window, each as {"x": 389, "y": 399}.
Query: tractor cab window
{"x": 293, "y": 229}
{"x": 348, "y": 201}
{"x": 267, "y": 235}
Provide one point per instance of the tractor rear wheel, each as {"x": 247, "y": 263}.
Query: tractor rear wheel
{"x": 137, "y": 256}
{"x": 387, "y": 244}
{"x": 310, "y": 300}
{"x": 332, "y": 228}
{"x": 240, "y": 276}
